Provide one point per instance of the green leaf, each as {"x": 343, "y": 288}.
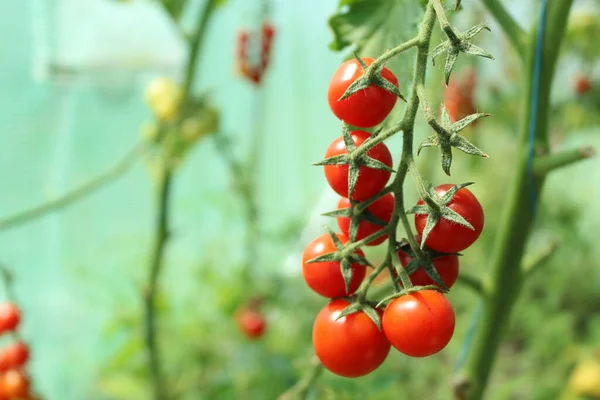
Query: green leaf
{"x": 370, "y": 27}
{"x": 174, "y": 7}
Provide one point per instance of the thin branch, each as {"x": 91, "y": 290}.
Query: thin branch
{"x": 516, "y": 35}
{"x": 300, "y": 390}
{"x": 544, "y": 164}
{"x": 531, "y": 262}
{"x": 76, "y": 194}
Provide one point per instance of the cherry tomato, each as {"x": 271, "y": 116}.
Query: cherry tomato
{"x": 382, "y": 209}
{"x": 370, "y": 181}
{"x": 583, "y": 84}
{"x": 326, "y": 278}
{"x": 14, "y": 355}
{"x": 419, "y": 324}
{"x": 450, "y": 237}
{"x": 251, "y": 322}
{"x": 14, "y": 384}
{"x": 365, "y": 108}
{"x": 446, "y": 266}
{"x": 459, "y": 96}
{"x": 351, "y": 346}
{"x": 10, "y": 316}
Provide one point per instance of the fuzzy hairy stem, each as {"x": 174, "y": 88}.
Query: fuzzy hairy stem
{"x": 507, "y": 277}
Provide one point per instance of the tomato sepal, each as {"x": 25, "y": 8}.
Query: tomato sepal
{"x": 366, "y": 308}
{"x": 457, "y": 43}
{"x": 371, "y": 76}
{"x": 411, "y": 290}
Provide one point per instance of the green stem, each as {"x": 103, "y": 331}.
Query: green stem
{"x": 513, "y": 31}
{"x": 156, "y": 262}
{"x": 300, "y": 390}
{"x": 544, "y": 164}
{"x": 164, "y": 183}
{"x": 506, "y": 276}
{"x": 76, "y": 194}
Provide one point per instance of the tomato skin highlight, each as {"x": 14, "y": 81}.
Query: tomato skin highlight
{"x": 251, "y": 322}
{"x": 447, "y": 236}
{"x": 370, "y": 181}
{"x": 365, "y": 108}
{"x": 325, "y": 278}
{"x": 383, "y": 209}
{"x": 10, "y": 316}
{"x": 446, "y": 266}
{"x": 419, "y": 324}
{"x": 14, "y": 384}
{"x": 351, "y": 346}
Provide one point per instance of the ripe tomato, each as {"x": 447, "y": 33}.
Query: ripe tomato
{"x": 351, "y": 346}
{"x": 382, "y": 209}
{"x": 326, "y": 278}
{"x": 14, "y": 355}
{"x": 365, "y": 108}
{"x": 459, "y": 96}
{"x": 447, "y": 236}
{"x": 251, "y": 322}
{"x": 583, "y": 84}
{"x": 14, "y": 384}
{"x": 446, "y": 266}
{"x": 10, "y": 316}
{"x": 370, "y": 181}
{"x": 419, "y": 324}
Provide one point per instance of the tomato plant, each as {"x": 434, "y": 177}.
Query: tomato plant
{"x": 350, "y": 346}
{"x": 10, "y": 316}
{"x": 326, "y": 277}
{"x": 419, "y": 324}
{"x": 365, "y": 108}
{"x": 446, "y": 266}
{"x": 370, "y": 180}
{"x": 448, "y": 236}
{"x": 381, "y": 209}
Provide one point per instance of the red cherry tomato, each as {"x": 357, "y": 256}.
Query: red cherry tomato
{"x": 583, "y": 84}
{"x": 351, "y": 346}
{"x": 14, "y": 355}
{"x": 382, "y": 209}
{"x": 459, "y": 96}
{"x": 14, "y": 384}
{"x": 370, "y": 181}
{"x": 251, "y": 322}
{"x": 450, "y": 237}
{"x": 326, "y": 278}
{"x": 365, "y": 108}
{"x": 446, "y": 266}
{"x": 10, "y": 316}
{"x": 419, "y": 324}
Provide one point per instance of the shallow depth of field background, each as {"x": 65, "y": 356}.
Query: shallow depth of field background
{"x": 72, "y": 81}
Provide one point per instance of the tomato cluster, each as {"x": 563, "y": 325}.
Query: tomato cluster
{"x": 253, "y": 52}
{"x": 14, "y": 381}
{"x": 418, "y": 323}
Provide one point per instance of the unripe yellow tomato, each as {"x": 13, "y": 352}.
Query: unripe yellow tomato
{"x": 164, "y": 95}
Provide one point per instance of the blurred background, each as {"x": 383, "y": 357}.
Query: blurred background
{"x": 74, "y": 102}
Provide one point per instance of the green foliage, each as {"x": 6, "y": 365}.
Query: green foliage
{"x": 370, "y": 27}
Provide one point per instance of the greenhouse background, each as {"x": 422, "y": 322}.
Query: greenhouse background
{"x": 73, "y": 77}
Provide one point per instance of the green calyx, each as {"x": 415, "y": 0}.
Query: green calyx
{"x": 356, "y": 215}
{"x": 364, "y": 307}
{"x": 354, "y": 159}
{"x": 437, "y": 208}
{"x": 345, "y": 255}
{"x": 446, "y": 137}
{"x": 371, "y": 76}
{"x": 411, "y": 290}
{"x": 458, "y": 43}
